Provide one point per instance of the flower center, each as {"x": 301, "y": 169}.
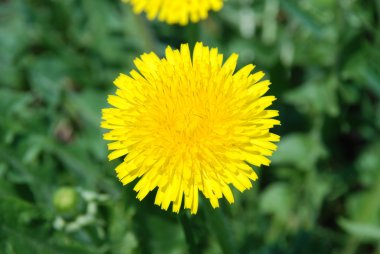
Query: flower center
{"x": 187, "y": 122}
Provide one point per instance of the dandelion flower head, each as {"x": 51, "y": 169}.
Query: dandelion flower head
{"x": 185, "y": 125}
{"x": 176, "y": 11}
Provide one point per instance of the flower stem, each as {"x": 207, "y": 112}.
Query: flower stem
{"x": 189, "y": 233}
{"x": 223, "y": 230}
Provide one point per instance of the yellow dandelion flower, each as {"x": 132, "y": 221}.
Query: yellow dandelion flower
{"x": 176, "y": 11}
{"x": 186, "y": 125}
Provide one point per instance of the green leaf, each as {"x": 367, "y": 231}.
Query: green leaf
{"x": 316, "y": 96}
{"x": 300, "y": 150}
{"x": 47, "y": 76}
{"x": 362, "y": 231}
{"x": 277, "y": 200}
{"x": 303, "y": 17}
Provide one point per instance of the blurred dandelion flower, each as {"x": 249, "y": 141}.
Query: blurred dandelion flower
{"x": 188, "y": 124}
{"x": 176, "y": 11}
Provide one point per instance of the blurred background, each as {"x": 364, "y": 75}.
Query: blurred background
{"x": 59, "y": 193}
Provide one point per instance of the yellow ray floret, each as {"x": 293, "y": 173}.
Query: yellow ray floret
{"x": 186, "y": 125}
{"x": 176, "y": 11}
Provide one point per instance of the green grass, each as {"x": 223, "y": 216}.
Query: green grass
{"x": 59, "y": 193}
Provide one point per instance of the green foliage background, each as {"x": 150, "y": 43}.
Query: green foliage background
{"x": 59, "y": 193}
